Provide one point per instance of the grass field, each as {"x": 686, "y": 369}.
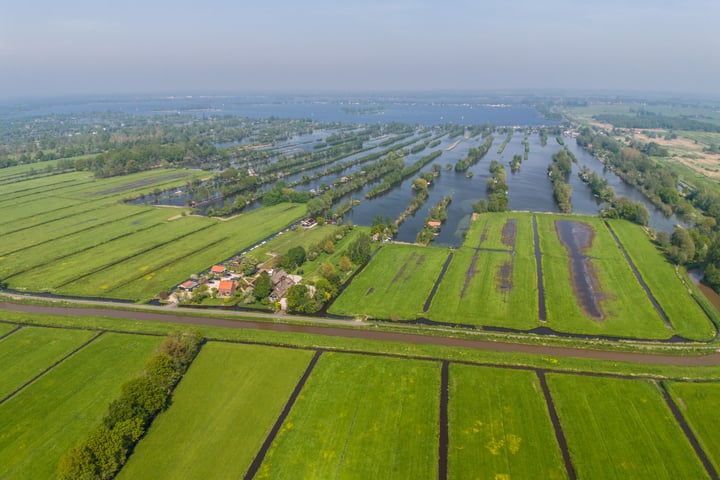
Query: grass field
{"x": 686, "y": 316}
{"x": 626, "y": 308}
{"x": 499, "y": 426}
{"x": 361, "y": 417}
{"x": 700, "y": 405}
{"x": 218, "y": 435}
{"x": 471, "y": 290}
{"x": 619, "y": 428}
{"x": 31, "y": 350}
{"x": 395, "y": 285}
{"x": 50, "y": 416}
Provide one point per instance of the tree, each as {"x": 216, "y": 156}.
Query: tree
{"x": 345, "y": 263}
{"x": 248, "y": 265}
{"x": 359, "y": 250}
{"x": 327, "y": 269}
{"x": 299, "y": 301}
{"x": 293, "y": 258}
{"x": 263, "y": 286}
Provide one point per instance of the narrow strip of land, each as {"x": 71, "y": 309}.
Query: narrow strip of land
{"x": 444, "y": 428}
{"x": 542, "y": 312}
{"x": 428, "y": 302}
{"x": 255, "y": 466}
{"x": 373, "y": 334}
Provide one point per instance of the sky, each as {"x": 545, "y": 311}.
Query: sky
{"x": 52, "y": 48}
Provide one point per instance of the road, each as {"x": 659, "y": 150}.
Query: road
{"x": 364, "y": 331}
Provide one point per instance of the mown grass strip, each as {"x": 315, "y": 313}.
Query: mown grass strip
{"x": 48, "y": 417}
{"x": 619, "y": 428}
{"x": 32, "y": 351}
{"x": 361, "y": 417}
{"x": 499, "y": 426}
{"x": 249, "y": 393}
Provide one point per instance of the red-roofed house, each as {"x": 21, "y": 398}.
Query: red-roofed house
{"x": 217, "y": 269}
{"x": 434, "y": 224}
{"x": 188, "y": 285}
{"x": 227, "y": 288}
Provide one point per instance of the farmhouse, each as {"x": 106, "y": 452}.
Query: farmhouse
{"x": 188, "y": 285}
{"x": 434, "y": 224}
{"x": 217, "y": 269}
{"x": 281, "y": 283}
{"x": 227, "y": 288}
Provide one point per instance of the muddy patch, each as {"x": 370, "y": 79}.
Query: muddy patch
{"x": 504, "y": 277}
{"x": 402, "y": 269}
{"x": 577, "y": 238}
{"x": 509, "y": 232}
{"x": 470, "y": 273}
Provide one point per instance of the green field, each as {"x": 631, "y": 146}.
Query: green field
{"x": 471, "y": 290}
{"x": 38, "y": 348}
{"x": 500, "y": 426}
{"x": 700, "y": 405}
{"x": 686, "y": 316}
{"x": 627, "y": 311}
{"x": 50, "y": 416}
{"x": 395, "y": 285}
{"x": 220, "y": 433}
{"x": 361, "y": 417}
{"x": 78, "y": 240}
{"x": 618, "y": 428}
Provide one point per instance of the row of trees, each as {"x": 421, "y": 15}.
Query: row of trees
{"x": 474, "y": 155}
{"x": 104, "y": 451}
{"x": 559, "y": 171}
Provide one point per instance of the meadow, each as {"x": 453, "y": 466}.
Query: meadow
{"x": 619, "y": 428}
{"x": 394, "y": 285}
{"x": 364, "y": 414}
{"x": 248, "y": 394}
{"x": 51, "y": 415}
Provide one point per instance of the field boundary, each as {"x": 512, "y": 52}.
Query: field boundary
{"x": 444, "y": 423}
{"x": 439, "y": 280}
{"x": 53, "y": 365}
{"x": 18, "y": 327}
{"x": 257, "y": 462}
{"x": 557, "y": 427}
{"x": 680, "y": 420}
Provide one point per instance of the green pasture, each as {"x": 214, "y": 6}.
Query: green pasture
{"x": 233, "y": 236}
{"x": 617, "y": 428}
{"x": 101, "y": 219}
{"x": 44, "y": 254}
{"x": 700, "y": 405}
{"x": 50, "y": 416}
{"x": 218, "y": 434}
{"x": 626, "y": 308}
{"x": 31, "y": 350}
{"x": 472, "y": 294}
{"x": 499, "y": 426}
{"x": 686, "y": 316}
{"x": 486, "y": 231}
{"x": 361, "y": 417}
{"x": 394, "y": 285}
{"x": 50, "y": 277}
{"x": 16, "y": 187}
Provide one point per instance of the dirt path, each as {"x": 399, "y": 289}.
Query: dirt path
{"x": 373, "y": 334}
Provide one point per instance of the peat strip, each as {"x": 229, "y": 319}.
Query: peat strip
{"x": 443, "y": 443}
{"x": 559, "y": 435}
{"x": 639, "y": 278}
{"x": 426, "y": 307}
{"x": 11, "y": 331}
{"x": 680, "y": 419}
{"x": 36, "y": 377}
{"x": 255, "y": 465}
{"x": 542, "y": 312}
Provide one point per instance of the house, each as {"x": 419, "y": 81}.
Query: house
{"x": 217, "y": 269}
{"x": 434, "y": 224}
{"x": 188, "y": 285}
{"x": 227, "y": 288}
{"x": 281, "y": 283}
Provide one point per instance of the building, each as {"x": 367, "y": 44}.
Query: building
{"x": 227, "y": 288}
{"x": 281, "y": 283}
{"x": 188, "y": 285}
{"x": 217, "y": 269}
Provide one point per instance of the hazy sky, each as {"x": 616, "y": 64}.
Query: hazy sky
{"x": 213, "y": 46}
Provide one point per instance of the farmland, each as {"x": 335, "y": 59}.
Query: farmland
{"x": 619, "y": 428}
{"x": 364, "y": 414}
{"x": 80, "y": 241}
{"x": 49, "y": 416}
{"x": 491, "y": 281}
